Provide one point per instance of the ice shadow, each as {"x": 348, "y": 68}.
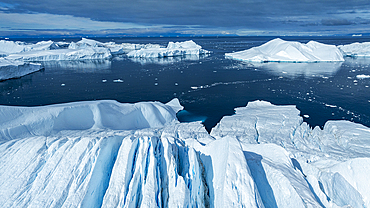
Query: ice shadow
{"x": 259, "y": 176}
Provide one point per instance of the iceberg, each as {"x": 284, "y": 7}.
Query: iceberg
{"x": 172, "y": 49}
{"x": 14, "y": 69}
{"x": 62, "y": 54}
{"x": 9, "y": 47}
{"x": 355, "y": 49}
{"x": 278, "y": 50}
{"x": 115, "y": 49}
{"x": 111, "y": 154}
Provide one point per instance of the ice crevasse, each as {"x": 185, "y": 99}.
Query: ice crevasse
{"x": 110, "y": 154}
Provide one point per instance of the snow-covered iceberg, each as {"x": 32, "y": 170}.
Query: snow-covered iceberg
{"x": 278, "y": 50}
{"x": 108, "y": 154}
{"x": 356, "y": 49}
{"x": 14, "y": 69}
{"x": 172, "y": 49}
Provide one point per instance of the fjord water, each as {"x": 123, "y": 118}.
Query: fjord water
{"x": 209, "y": 87}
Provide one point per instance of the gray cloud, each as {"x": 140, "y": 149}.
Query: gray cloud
{"x": 234, "y": 14}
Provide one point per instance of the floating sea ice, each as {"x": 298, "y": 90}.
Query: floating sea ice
{"x": 363, "y": 76}
{"x": 117, "y": 80}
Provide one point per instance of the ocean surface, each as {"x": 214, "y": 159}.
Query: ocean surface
{"x": 209, "y": 87}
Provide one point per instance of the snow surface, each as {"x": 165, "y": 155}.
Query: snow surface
{"x": 13, "y": 69}
{"x": 172, "y": 49}
{"x": 278, "y": 50}
{"x": 109, "y": 154}
{"x": 356, "y": 49}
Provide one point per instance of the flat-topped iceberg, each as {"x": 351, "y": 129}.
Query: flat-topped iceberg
{"x": 14, "y": 69}
{"x": 356, "y": 49}
{"x": 109, "y": 154}
{"x": 172, "y": 49}
{"x": 278, "y": 50}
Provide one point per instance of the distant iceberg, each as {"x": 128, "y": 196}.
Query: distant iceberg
{"x": 172, "y": 49}
{"x": 9, "y": 47}
{"x": 111, "y": 154}
{"x": 278, "y": 50}
{"x": 356, "y": 49}
{"x": 14, "y": 69}
{"x": 114, "y": 48}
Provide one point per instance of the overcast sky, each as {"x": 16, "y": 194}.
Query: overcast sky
{"x": 199, "y": 17}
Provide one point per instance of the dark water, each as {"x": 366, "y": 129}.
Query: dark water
{"x": 209, "y": 87}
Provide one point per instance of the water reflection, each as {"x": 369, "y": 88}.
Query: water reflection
{"x": 82, "y": 66}
{"x": 168, "y": 60}
{"x": 357, "y": 61}
{"x": 293, "y": 70}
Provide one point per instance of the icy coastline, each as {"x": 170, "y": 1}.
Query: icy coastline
{"x": 109, "y": 154}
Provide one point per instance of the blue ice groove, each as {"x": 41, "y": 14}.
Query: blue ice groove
{"x": 101, "y": 174}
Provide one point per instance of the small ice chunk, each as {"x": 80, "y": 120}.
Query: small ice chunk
{"x": 362, "y": 76}
{"x": 118, "y": 80}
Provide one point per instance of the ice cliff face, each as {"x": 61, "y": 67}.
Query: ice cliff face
{"x": 278, "y": 50}
{"x": 108, "y": 154}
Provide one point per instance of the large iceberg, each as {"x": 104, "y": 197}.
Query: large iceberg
{"x": 14, "y": 69}
{"x": 109, "y": 154}
{"x": 172, "y": 49}
{"x": 278, "y": 50}
{"x": 356, "y": 49}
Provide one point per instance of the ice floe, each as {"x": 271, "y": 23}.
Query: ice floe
{"x": 109, "y": 154}
{"x": 278, "y": 50}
